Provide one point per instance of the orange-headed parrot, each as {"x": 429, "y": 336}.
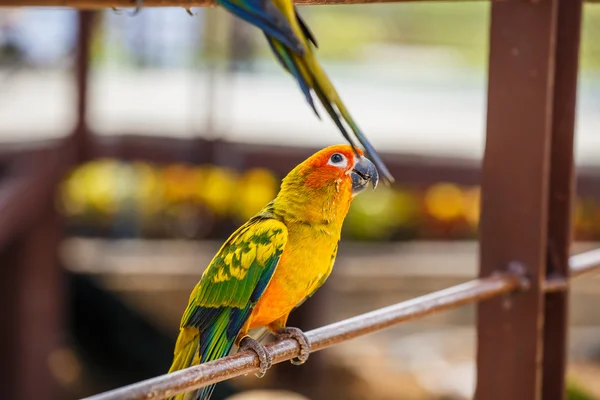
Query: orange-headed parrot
{"x": 273, "y": 263}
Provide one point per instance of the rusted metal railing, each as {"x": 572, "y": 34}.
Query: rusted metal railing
{"x": 246, "y": 362}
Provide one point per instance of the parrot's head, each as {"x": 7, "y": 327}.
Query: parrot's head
{"x": 340, "y": 167}
{"x": 326, "y": 182}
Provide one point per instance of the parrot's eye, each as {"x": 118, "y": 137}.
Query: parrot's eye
{"x": 337, "y": 159}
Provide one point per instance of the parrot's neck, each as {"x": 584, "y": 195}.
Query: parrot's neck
{"x": 324, "y": 208}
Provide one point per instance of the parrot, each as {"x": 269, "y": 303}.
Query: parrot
{"x": 272, "y": 263}
{"x": 292, "y": 42}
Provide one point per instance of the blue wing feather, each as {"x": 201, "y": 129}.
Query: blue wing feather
{"x": 264, "y": 15}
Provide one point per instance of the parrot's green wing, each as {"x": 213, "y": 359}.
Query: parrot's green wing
{"x": 242, "y": 268}
{"x": 230, "y": 287}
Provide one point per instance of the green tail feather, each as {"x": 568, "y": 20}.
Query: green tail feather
{"x": 317, "y": 81}
{"x": 193, "y": 349}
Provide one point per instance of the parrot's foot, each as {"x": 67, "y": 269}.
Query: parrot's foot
{"x": 300, "y": 337}
{"x": 265, "y": 359}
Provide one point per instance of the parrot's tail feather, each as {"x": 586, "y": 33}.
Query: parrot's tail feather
{"x": 270, "y": 21}
{"x": 307, "y": 79}
{"x": 305, "y": 29}
{"x": 288, "y": 61}
{"x": 186, "y": 352}
{"x": 330, "y": 98}
{"x": 193, "y": 348}
{"x": 186, "y": 349}
{"x": 370, "y": 150}
{"x": 332, "y": 113}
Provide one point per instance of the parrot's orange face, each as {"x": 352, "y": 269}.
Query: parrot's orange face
{"x": 340, "y": 164}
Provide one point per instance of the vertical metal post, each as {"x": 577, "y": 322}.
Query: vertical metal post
{"x": 81, "y": 134}
{"x": 30, "y": 279}
{"x": 515, "y": 183}
{"x": 560, "y": 197}
{"x": 9, "y": 331}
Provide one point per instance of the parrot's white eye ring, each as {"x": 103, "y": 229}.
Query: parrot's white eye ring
{"x": 338, "y": 160}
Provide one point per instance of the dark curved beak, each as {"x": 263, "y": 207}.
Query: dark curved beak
{"x": 362, "y": 173}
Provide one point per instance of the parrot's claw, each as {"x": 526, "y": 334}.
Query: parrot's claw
{"x": 265, "y": 359}
{"x": 300, "y": 337}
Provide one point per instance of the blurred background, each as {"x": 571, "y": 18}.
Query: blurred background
{"x": 192, "y": 126}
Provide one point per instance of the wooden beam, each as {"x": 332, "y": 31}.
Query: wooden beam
{"x": 107, "y": 4}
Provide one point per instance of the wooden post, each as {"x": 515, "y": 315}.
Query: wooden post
{"x": 561, "y": 197}
{"x": 515, "y": 184}
{"x": 31, "y": 293}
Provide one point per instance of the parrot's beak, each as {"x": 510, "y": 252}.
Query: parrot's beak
{"x": 362, "y": 173}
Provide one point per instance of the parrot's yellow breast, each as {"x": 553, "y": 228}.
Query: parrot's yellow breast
{"x": 306, "y": 262}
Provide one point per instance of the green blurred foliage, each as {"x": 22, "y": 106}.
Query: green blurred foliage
{"x": 345, "y": 32}
{"x": 576, "y": 392}
{"x": 590, "y": 36}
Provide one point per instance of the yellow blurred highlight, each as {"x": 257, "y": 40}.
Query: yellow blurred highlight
{"x": 444, "y": 201}
{"x": 148, "y": 189}
{"x": 177, "y": 181}
{"x": 197, "y": 197}
{"x": 255, "y": 189}
{"x": 64, "y": 366}
{"x": 92, "y": 185}
{"x": 471, "y": 205}
{"x": 215, "y": 186}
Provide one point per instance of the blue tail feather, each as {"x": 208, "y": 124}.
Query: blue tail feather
{"x": 289, "y": 64}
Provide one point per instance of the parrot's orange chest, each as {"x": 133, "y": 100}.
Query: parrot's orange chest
{"x": 305, "y": 263}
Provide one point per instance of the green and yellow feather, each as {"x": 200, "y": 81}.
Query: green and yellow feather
{"x": 230, "y": 287}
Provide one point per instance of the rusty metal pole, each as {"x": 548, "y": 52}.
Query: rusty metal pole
{"x": 81, "y": 134}
{"x": 562, "y": 189}
{"x": 32, "y": 294}
{"x": 515, "y": 183}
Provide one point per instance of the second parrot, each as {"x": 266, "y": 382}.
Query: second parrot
{"x": 292, "y": 43}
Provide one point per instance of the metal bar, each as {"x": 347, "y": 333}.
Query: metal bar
{"x": 585, "y": 262}
{"x": 561, "y": 194}
{"x": 578, "y": 265}
{"x": 246, "y": 362}
{"x": 556, "y": 285}
{"x": 515, "y": 196}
